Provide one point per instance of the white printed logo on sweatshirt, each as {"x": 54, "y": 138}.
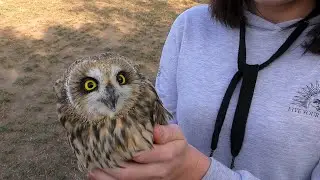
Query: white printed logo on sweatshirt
{"x": 307, "y": 101}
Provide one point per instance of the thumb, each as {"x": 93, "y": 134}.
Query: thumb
{"x": 98, "y": 174}
{"x": 164, "y": 134}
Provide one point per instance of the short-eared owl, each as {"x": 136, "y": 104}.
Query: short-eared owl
{"x": 108, "y": 109}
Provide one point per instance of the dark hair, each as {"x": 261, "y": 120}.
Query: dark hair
{"x": 231, "y": 13}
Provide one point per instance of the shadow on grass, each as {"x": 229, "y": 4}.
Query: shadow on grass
{"x": 34, "y": 144}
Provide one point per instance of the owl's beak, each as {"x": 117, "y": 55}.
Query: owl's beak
{"x": 111, "y": 98}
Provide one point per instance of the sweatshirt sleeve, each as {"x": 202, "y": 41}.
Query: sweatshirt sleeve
{"x": 316, "y": 172}
{"x": 166, "y": 85}
{"x": 219, "y": 171}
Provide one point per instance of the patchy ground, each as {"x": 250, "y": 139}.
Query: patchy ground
{"x": 38, "y": 40}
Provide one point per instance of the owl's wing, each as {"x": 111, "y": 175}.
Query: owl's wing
{"x": 160, "y": 114}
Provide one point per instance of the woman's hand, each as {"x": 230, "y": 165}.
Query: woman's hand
{"x": 171, "y": 158}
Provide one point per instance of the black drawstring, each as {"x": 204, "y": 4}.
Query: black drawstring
{"x": 223, "y": 110}
{"x": 249, "y": 73}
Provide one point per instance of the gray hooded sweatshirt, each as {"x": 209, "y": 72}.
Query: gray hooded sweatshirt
{"x": 282, "y": 136}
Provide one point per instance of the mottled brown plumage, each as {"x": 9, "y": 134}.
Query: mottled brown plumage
{"x": 110, "y": 123}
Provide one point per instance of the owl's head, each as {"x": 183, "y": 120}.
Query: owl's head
{"x": 100, "y": 87}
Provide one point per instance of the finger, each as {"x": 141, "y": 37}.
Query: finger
{"x": 133, "y": 171}
{"x": 168, "y": 133}
{"x": 98, "y": 174}
{"x": 161, "y": 153}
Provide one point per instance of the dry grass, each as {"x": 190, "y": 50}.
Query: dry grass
{"x": 38, "y": 40}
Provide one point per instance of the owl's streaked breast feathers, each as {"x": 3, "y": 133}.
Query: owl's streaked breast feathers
{"x": 108, "y": 109}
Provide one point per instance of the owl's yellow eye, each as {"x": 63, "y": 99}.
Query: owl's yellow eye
{"x": 121, "y": 78}
{"x": 90, "y": 85}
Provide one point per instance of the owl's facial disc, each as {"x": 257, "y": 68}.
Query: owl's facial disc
{"x": 110, "y": 98}
{"x": 98, "y": 89}
{"x": 113, "y": 87}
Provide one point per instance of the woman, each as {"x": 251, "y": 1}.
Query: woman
{"x": 265, "y": 127}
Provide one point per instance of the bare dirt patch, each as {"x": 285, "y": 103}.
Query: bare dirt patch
{"x": 38, "y": 40}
